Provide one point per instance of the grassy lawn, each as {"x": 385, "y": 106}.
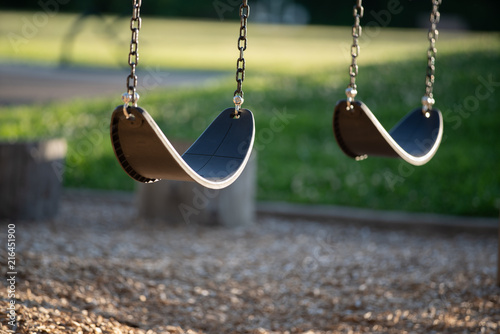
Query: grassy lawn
{"x": 295, "y": 75}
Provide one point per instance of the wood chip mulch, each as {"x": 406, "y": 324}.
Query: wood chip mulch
{"x": 99, "y": 269}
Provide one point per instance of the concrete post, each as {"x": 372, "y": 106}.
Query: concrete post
{"x": 187, "y": 202}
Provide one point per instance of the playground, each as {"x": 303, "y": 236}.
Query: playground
{"x": 292, "y": 100}
{"x": 335, "y": 246}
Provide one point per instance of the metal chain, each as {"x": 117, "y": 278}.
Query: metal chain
{"x": 351, "y": 90}
{"x": 131, "y": 95}
{"x": 240, "y": 62}
{"x": 428, "y": 99}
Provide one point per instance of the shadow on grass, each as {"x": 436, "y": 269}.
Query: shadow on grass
{"x": 298, "y": 157}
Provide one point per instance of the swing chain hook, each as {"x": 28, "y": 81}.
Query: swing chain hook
{"x": 238, "y": 101}
{"x": 131, "y": 96}
{"x": 351, "y": 91}
{"x": 127, "y": 100}
{"x": 240, "y": 62}
{"x": 428, "y": 99}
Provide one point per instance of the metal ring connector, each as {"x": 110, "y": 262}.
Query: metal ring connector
{"x": 238, "y": 101}
{"x": 127, "y": 99}
{"x": 427, "y": 104}
{"x": 351, "y": 94}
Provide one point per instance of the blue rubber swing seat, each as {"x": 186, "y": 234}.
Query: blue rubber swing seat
{"x": 414, "y": 139}
{"x": 215, "y": 160}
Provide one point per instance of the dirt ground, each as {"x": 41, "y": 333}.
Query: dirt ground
{"x": 97, "y": 268}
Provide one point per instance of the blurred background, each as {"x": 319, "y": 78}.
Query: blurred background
{"x": 477, "y": 15}
{"x": 63, "y": 66}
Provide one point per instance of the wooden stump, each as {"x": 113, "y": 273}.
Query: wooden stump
{"x": 187, "y": 202}
{"x": 31, "y": 179}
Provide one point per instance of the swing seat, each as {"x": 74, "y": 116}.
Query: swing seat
{"x": 215, "y": 160}
{"x": 359, "y": 134}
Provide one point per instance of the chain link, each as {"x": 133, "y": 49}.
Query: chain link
{"x": 351, "y": 91}
{"x": 131, "y": 95}
{"x": 428, "y": 99}
{"x": 240, "y": 62}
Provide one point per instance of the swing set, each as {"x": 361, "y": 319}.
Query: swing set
{"x": 220, "y": 154}
{"x": 415, "y": 138}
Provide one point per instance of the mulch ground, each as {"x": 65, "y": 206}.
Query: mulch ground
{"x": 97, "y": 268}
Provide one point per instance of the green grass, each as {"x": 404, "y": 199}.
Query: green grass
{"x": 300, "y": 72}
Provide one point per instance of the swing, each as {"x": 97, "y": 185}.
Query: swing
{"x": 216, "y": 158}
{"x": 415, "y": 138}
